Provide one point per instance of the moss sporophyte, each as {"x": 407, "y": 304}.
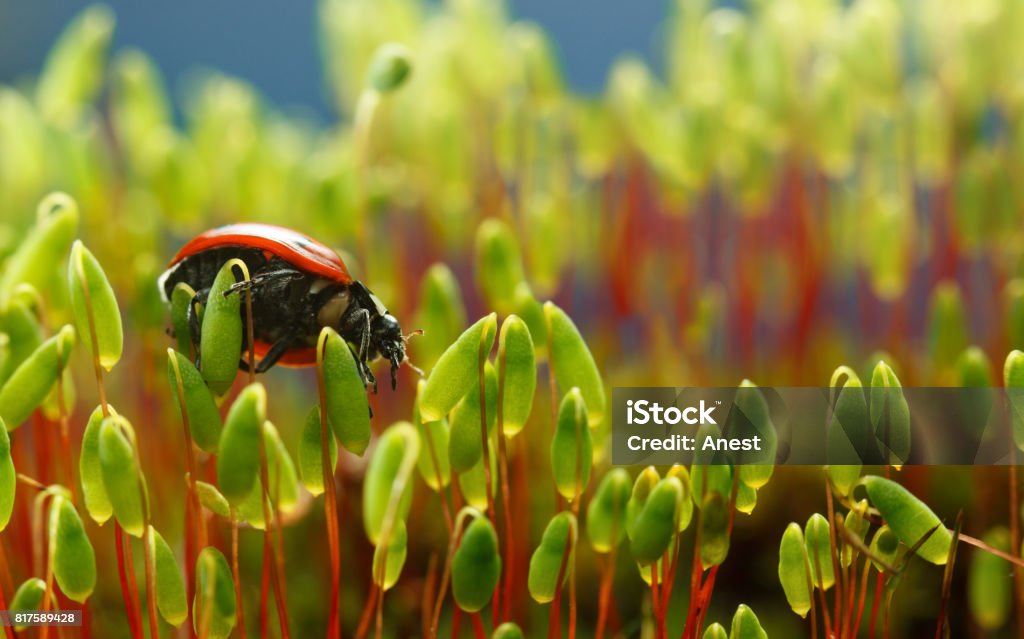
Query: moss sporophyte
{"x": 799, "y": 192}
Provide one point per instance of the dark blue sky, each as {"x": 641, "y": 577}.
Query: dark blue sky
{"x": 272, "y": 43}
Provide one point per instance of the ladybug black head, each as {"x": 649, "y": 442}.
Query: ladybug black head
{"x": 386, "y": 338}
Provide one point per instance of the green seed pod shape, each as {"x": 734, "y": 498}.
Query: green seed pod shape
{"x": 572, "y": 451}
{"x": 435, "y": 437}
{"x": 44, "y": 246}
{"x": 75, "y": 66}
{"x": 746, "y": 499}
{"x": 74, "y": 562}
{"x": 464, "y": 444}
{"x": 221, "y": 343}
{"x": 212, "y": 500}
{"x": 97, "y": 503}
{"x": 238, "y": 462}
{"x": 686, "y": 506}
{"x": 170, "y": 587}
{"x": 213, "y": 608}
{"x": 390, "y": 67}
{"x": 547, "y": 559}
{"x": 794, "y": 568}
{"x": 8, "y": 478}
{"x": 476, "y": 566}
{"x": 395, "y": 559}
{"x": 499, "y": 264}
{"x": 745, "y": 625}
{"x": 989, "y": 586}
{"x": 642, "y": 487}
{"x": 819, "y": 551}
{"x": 90, "y": 289}
{"x": 181, "y": 297}
{"x": 715, "y": 631}
{"x": 24, "y": 335}
{"x": 507, "y": 630}
{"x": 348, "y": 411}
{"x": 849, "y": 432}
{"x": 718, "y": 479}
{"x": 606, "y": 514}
{"x": 457, "y": 370}
{"x": 473, "y": 482}
{"x": 120, "y": 473}
{"x": 572, "y": 361}
{"x": 28, "y": 596}
{"x": 947, "y": 325}
{"x": 441, "y": 314}
{"x": 311, "y": 461}
{"x": 657, "y": 523}
{"x": 714, "y": 530}
{"x": 751, "y": 417}
{"x": 281, "y": 474}
{"x": 885, "y": 545}
{"x": 33, "y": 380}
{"x": 517, "y": 374}
{"x": 398, "y": 443}
{"x": 204, "y": 421}
{"x": 1013, "y": 380}
{"x": 974, "y": 372}
{"x": 909, "y": 518}
{"x": 532, "y": 312}
{"x": 890, "y": 415}
{"x": 857, "y": 523}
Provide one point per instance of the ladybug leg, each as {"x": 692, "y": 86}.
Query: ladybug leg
{"x": 264, "y": 277}
{"x": 272, "y": 356}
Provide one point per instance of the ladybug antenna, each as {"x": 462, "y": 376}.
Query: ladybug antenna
{"x": 408, "y": 336}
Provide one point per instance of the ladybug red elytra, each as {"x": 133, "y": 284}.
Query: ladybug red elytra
{"x": 298, "y": 287}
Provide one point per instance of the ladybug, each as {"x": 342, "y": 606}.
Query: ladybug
{"x": 298, "y": 287}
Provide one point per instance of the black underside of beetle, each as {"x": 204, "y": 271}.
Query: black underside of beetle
{"x": 282, "y": 305}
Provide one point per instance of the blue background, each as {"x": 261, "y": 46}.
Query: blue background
{"x": 272, "y": 44}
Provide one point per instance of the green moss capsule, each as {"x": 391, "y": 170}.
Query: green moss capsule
{"x": 546, "y": 562}
{"x": 457, "y": 370}
{"x": 909, "y": 518}
{"x": 517, "y": 374}
{"x": 794, "y": 569}
{"x": 989, "y": 587}
{"x": 499, "y": 264}
{"x": 170, "y": 587}
{"x": 34, "y": 378}
{"x": 74, "y": 562}
{"x": 238, "y": 462}
{"x": 311, "y": 467}
{"x": 572, "y": 453}
{"x": 44, "y": 246}
{"x": 97, "y": 316}
{"x": 890, "y": 415}
{"x": 476, "y": 566}
{"x": 222, "y": 335}
{"x": 348, "y": 411}
{"x": 819, "y": 552}
{"x": 657, "y": 523}
{"x": 8, "y": 478}
{"x": 90, "y": 472}
{"x": 204, "y": 420}
{"x": 572, "y": 361}
{"x": 465, "y": 446}
{"x": 387, "y": 567}
{"x": 606, "y": 514}
{"x": 213, "y": 608}
{"x": 397, "y": 446}
{"x": 745, "y": 625}
{"x": 121, "y": 476}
